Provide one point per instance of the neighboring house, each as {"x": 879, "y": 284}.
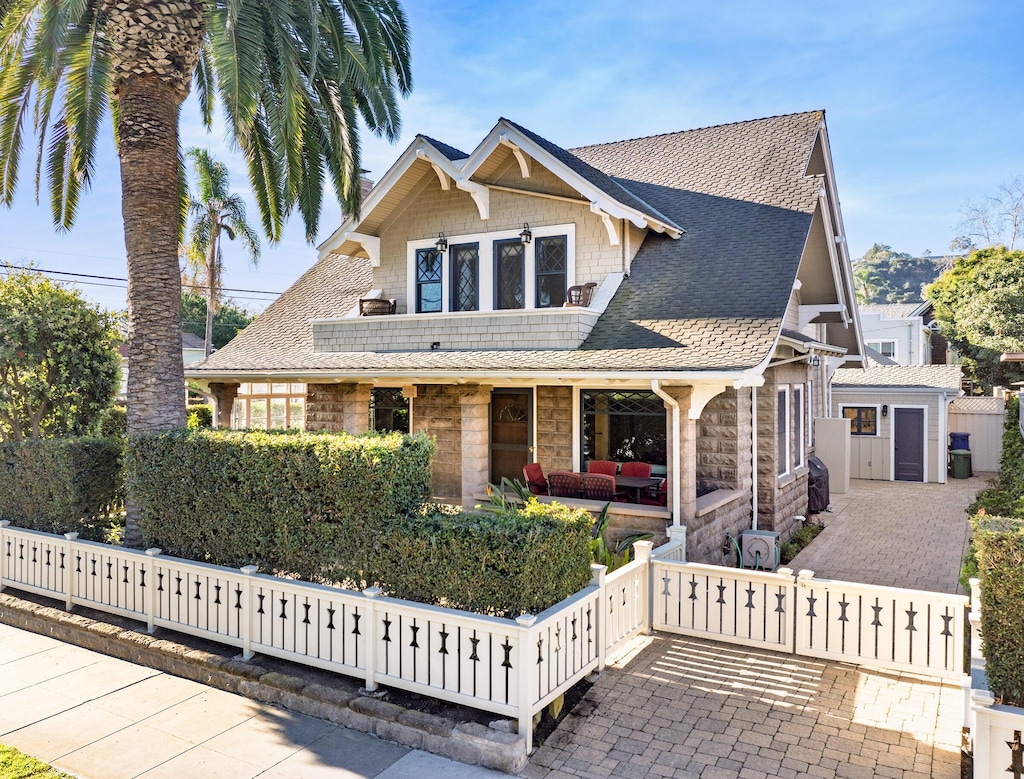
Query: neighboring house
{"x": 722, "y": 300}
{"x": 899, "y": 419}
{"x": 193, "y": 349}
{"x": 904, "y": 333}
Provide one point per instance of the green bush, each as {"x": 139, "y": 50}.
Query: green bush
{"x": 199, "y": 416}
{"x": 1005, "y": 494}
{"x": 114, "y": 422}
{"x": 506, "y": 563}
{"x": 1000, "y": 553}
{"x": 59, "y": 485}
{"x": 350, "y": 510}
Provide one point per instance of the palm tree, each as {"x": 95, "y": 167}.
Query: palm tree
{"x": 214, "y": 212}
{"x": 293, "y": 78}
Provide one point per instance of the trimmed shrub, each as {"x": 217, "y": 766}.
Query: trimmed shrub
{"x": 1000, "y": 553}
{"x": 1005, "y": 494}
{"x": 114, "y": 422}
{"x": 506, "y": 563}
{"x": 59, "y": 485}
{"x": 302, "y": 503}
{"x": 199, "y": 416}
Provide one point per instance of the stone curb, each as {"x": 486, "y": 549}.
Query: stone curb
{"x": 468, "y": 742}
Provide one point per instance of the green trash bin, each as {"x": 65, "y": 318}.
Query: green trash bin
{"x": 960, "y": 463}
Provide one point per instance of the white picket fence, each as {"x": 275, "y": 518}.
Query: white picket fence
{"x": 510, "y": 667}
{"x": 876, "y": 627}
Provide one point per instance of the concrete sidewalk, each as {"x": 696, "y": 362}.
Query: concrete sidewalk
{"x": 98, "y": 717}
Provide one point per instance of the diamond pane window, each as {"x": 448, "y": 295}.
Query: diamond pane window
{"x": 509, "y": 274}
{"x": 428, "y": 280}
{"x": 465, "y": 277}
{"x": 623, "y": 426}
{"x": 389, "y": 411}
{"x": 551, "y": 271}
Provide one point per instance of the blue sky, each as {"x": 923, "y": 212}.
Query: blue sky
{"x": 924, "y": 104}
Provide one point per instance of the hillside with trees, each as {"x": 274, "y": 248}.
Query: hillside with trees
{"x": 883, "y": 276}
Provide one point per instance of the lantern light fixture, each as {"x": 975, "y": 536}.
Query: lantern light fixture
{"x": 525, "y": 236}
{"x": 441, "y": 243}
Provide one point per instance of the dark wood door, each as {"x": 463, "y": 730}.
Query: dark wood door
{"x": 511, "y": 433}
{"x": 908, "y": 444}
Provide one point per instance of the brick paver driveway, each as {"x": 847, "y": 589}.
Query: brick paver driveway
{"x": 682, "y": 707}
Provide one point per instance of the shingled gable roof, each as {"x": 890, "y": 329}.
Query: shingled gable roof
{"x": 711, "y": 300}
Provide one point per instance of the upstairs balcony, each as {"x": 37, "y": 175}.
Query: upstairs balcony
{"x": 518, "y": 329}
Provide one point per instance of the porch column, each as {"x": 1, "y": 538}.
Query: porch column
{"x": 223, "y": 400}
{"x": 683, "y": 485}
{"x": 475, "y": 404}
{"x": 357, "y": 408}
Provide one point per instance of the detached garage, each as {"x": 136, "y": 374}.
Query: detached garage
{"x": 899, "y": 421}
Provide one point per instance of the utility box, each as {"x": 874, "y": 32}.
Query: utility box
{"x": 960, "y": 464}
{"x": 760, "y": 549}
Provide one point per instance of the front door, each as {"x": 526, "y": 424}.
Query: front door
{"x": 511, "y": 433}
{"x": 908, "y": 444}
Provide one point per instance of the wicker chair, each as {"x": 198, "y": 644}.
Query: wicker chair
{"x": 607, "y": 467}
{"x": 598, "y": 486}
{"x": 580, "y": 294}
{"x": 563, "y": 485}
{"x": 377, "y": 306}
{"x": 535, "y": 480}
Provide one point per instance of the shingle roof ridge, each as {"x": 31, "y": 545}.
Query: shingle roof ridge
{"x": 698, "y": 129}
{"x": 446, "y": 149}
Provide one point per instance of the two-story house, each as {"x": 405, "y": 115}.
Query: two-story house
{"x": 679, "y": 300}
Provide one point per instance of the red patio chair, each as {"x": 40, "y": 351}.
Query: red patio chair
{"x": 598, "y": 486}
{"x": 639, "y": 470}
{"x": 607, "y": 467}
{"x": 562, "y": 484}
{"x": 535, "y": 479}
{"x": 656, "y": 497}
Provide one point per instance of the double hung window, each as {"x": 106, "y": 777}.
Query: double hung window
{"x": 428, "y": 281}
{"x": 509, "y": 274}
{"x": 551, "y": 254}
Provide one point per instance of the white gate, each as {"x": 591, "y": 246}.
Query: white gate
{"x": 983, "y": 419}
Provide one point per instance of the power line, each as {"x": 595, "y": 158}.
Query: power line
{"x": 118, "y": 278}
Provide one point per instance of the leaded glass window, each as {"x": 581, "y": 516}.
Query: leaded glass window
{"x": 551, "y": 270}
{"x": 389, "y": 411}
{"x": 509, "y": 274}
{"x": 863, "y": 419}
{"x": 428, "y": 280}
{"x": 623, "y": 425}
{"x": 465, "y": 277}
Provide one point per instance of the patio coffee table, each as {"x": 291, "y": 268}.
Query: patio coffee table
{"x": 636, "y": 483}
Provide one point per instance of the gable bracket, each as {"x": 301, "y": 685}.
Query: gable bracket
{"x": 370, "y": 244}
{"x": 521, "y": 158}
{"x": 609, "y": 224}
{"x": 481, "y": 196}
{"x": 442, "y": 177}
{"x": 809, "y": 313}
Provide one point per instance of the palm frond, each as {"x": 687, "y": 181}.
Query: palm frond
{"x": 205, "y": 86}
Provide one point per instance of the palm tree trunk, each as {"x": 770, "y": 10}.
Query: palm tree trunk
{"x": 211, "y": 288}
{"x": 148, "y": 149}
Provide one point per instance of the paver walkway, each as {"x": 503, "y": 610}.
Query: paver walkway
{"x": 689, "y": 708}
{"x": 97, "y": 717}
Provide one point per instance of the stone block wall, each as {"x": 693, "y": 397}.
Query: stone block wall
{"x": 705, "y": 535}
{"x": 779, "y": 498}
{"x": 224, "y": 399}
{"x": 553, "y": 447}
{"x": 338, "y": 407}
{"x": 723, "y": 443}
{"x": 437, "y": 410}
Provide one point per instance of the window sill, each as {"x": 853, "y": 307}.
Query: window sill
{"x": 715, "y": 500}
{"x": 788, "y": 478}
{"x": 624, "y": 509}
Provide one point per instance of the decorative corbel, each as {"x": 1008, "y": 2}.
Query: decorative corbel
{"x": 609, "y": 224}
{"x": 370, "y": 244}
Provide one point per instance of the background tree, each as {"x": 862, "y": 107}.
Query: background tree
{"x": 979, "y": 305}
{"x": 228, "y": 322}
{"x": 294, "y": 80}
{"x": 214, "y": 212}
{"x": 59, "y": 366}
{"x": 997, "y": 219}
{"x": 883, "y": 276}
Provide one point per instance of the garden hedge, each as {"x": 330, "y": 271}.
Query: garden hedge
{"x": 1005, "y": 495}
{"x": 59, "y": 485}
{"x": 1000, "y": 553}
{"x": 335, "y": 508}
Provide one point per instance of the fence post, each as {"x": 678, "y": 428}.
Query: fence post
{"x": 642, "y": 551}
{"x": 371, "y": 593}
{"x": 597, "y": 579}
{"x": 150, "y": 605}
{"x": 69, "y": 590}
{"x": 803, "y": 581}
{"x": 526, "y": 621}
{"x": 974, "y": 617}
{"x": 246, "y": 617}
{"x": 4, "y": 524}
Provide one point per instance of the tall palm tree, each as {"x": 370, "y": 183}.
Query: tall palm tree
{"x": 215, "y": 211}
{"x": 293, "y": 78}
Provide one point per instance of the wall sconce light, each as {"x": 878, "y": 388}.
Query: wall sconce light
{"x": 435, "y": 345}
{"x": 885, "y": 411}
{"x": 441, "y": 243}
{"x": 813, "y": 360}
{"x": 525, "y": 236}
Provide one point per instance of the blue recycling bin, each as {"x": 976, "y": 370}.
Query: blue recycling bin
{"x": 959, "y": 441}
